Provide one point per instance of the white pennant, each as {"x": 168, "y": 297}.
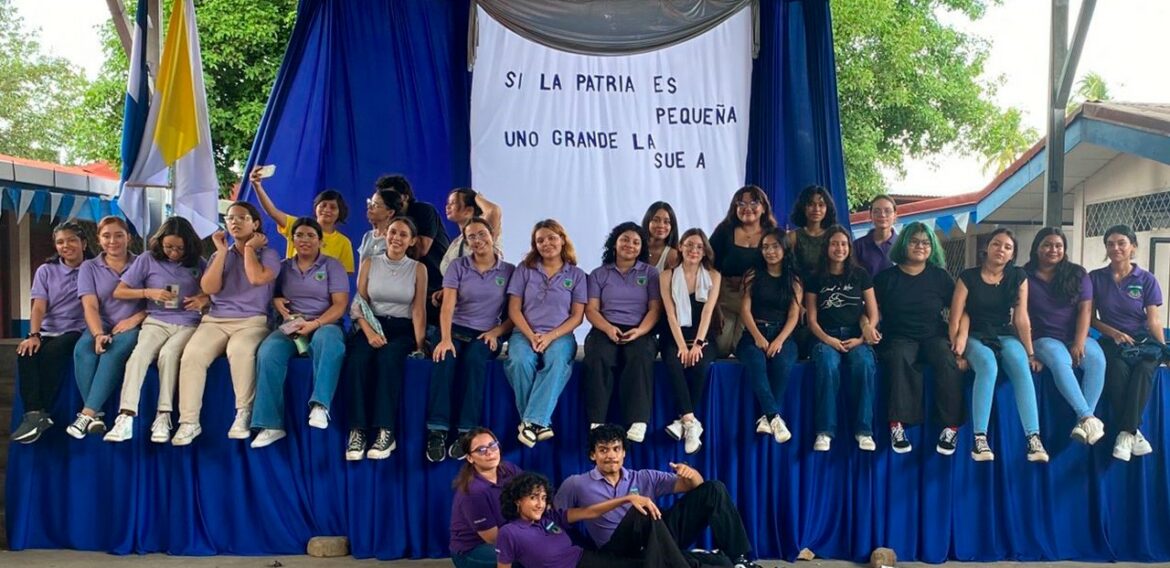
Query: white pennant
{"x": 79, "y": 203}
{"x": 54, "y": 202}
{"x": 962, "y": 220}
{"x": 26, "y": 199}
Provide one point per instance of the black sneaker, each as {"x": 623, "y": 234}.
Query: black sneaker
{"x": 383, "y": 445}
{"x": 31, "y": 427}
{"x": 1036, "y": 452}
{"x": 946, "y": 441}
{"x": 356, "y": 448}
{"x": 455, "y": 451}
{"x": 898, "y": 439}
{"x": 981, "y": 450}
{"x": 743, "y": 562}
{"x": 436, "y": 445}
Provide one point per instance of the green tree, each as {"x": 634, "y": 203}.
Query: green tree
{"x": 1008, "y": 139}
{"x": 39, "y": 94}
{"x": 911, "y": 85}
{"x": 1091, "y": 87}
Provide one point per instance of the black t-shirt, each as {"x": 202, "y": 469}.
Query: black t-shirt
{"x": 426, "y": 219}
{"x": 990, "y": 305}
{"x": 732, "y": 260}
{"x": 912, "y": 305}
{"x": 840, "y": 301}
{"x": 771, "y": 298}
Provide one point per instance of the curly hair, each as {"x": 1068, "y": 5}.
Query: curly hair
{"x": 607, "y": 434}
{"x": 1066, "y": 275}
{"x": 518, "y": 488}
{"x": 609, "y": 254}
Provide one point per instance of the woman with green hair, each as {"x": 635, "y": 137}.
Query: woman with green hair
{"x": 912, "y": 295}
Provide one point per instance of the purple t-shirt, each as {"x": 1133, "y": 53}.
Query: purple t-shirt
{"x": 1050, "y": 316}
{"x": 478, "y": 509}
{"x": 874, "y": 257}
{"x": 624, "y": 297}
{"x": 544, "y": 544}
{"x": 309, "y": 293}
{"x": 56, "y": 284}
{"x": 547, "y": 302}
{"x": 149, "y": 272}
{"x": 586, "y": 489}
{"x": 238, "y": 298}
{"x": 96, "y": 278}
{"x": 481, "y": 296}
{"x": 1123, "y": 305}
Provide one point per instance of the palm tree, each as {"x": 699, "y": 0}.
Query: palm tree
{"x": 1008, "y": 139}
{"x": 1091, "y": 88}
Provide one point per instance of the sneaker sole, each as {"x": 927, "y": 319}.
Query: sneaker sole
{"x": 1095, "y": 437}
{"x": 115, "y": 439}
{"x": 158, "y": 439}
{"x": 1038, "y": 458}
{"x": 1122, "y": 457}
{"x": 239, "y": 435}
{"x": 1143, "y": 452}
{"x": 355, "y": 456}
{"x": 674, "y": 436}
{"x": 319, "y": 425}
{"x": 29, "y": 438}
{"x": 694, "y": 451}
{"x": 1079, "y": 436}
{"x": 905, "y": 450}
{"x": 545, "y": 435}
{"x": 75, "y": 433}
{"x": 377, "y": 455}
{"x": 529, "y": 442}
{"x": 983, "y": 457}
{"x": 433, "y": 460}
{"x": 636, "y": 439}
{"x": 943, "y": 451}
{"x": 256, "y": 446}
{"x": 781, "y": 438}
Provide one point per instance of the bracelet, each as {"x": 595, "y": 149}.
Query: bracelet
{"x": 35, "y": 334}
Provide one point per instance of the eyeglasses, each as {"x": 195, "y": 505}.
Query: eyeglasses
{"x": 489, "y": 448}
{"x": 477, "y": 236}
{"x": 304, "y": 236}
{"x": 237, "y": 218}
{"x": 692, "y": 246}
{"x": 748, "y": 204}
{"x": 881, "y": 212}
{"x": 919, "y": 243}
{"x": 169, "y": 248}
{"x": 372, "y": 204}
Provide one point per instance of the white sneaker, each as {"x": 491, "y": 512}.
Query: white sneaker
{"x": 241, "y": 427}
{"x": 1079, "y": 433}
{"x": 1141, "y": 446}
{"x": 123, "y": 429}
{"x": 1123, "y": 447}
{"x": 763, "y": 426}
{"x": 865, "y": 443}
{"x": 822, "y": 443}
{"x": 675, "y": 430}
{"x": 637, "y": 432}
{"x": 186, "y": 434}
{"x": 266, "y": 437}
{"x": 692, "y": 434}
{"x": 80, "y": 426}
{"x": 1094, "y": 430}
{"x": 319, "y": 417}
{"x": 779, "y": 429}
{"x": 160, "y": 431}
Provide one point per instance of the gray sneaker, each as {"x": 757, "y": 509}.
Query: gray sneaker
{"x": 31, "y": 427}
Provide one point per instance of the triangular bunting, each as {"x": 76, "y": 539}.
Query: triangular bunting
{"x": 78, "y": 205}
{"x": 962, "y": 220}
{"x": 945, "y": 224}
{"x": 54, "y": 202}
{"x": 23, "y": 203}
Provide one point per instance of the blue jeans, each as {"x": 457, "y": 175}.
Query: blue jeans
{"x": 98, "y": 375}
{"x": 1015, "y": 362}
{"x": 1081, "y": 396}
{"x": 860, "y": 389}
{"x": 482, "y": 556}
{"x": 768, "y": 377}
{"x": 470, "y": 362}
{"x": 537, "y": 390}
{"x": 326, "y": 347}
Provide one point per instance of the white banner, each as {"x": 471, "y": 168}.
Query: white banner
{"x": 592, "y": 141}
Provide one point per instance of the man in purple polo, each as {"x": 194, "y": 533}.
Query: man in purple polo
{"x": 704, "y": 503}
{"x": 873, "y": 250}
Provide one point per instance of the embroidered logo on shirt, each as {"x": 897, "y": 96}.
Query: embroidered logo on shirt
{"x": 499, "y": 281}
{"x": 568, "y": 283}
{"x": 320, "y": 275}
{"x": 195, "y": 272}
{"x": 1134, "y": 291}
{"x": 641, "y": 280}
{"x": 552, "y": 528}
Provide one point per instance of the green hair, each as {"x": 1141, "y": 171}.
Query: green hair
{"x": 898, "y": 252}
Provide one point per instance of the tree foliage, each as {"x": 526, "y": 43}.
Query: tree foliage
{"x": 1091, "y": 87}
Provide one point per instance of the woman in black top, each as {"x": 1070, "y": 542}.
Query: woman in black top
{"x": 842, "y": 313}
{"x": 813, "y": 213}
{"x": 990, "y": 326}
{"x": 771, "y": 308}
{"x": 913, "y": 294}
{"x": 735, "y": 241}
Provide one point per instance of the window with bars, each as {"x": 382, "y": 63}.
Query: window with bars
{"x": 956, "y": 251}
{"x": 1141, "y": 213}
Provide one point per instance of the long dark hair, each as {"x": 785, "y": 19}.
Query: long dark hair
{"x": 788, "y": 277}
{"x": 467, "y": 199}
{"x": 850, "y": 261}
{"x": 609, "y": 254}
{"x": 731, "y": 220}
{"x": 1066, "y": 275}
{"x": 177, "y": 227}
{"x": 76, "y": 229}
{"x": 672, "y": 238}
{"x": 800, "y": 218}
{"x": 467, "y": 472}
{"x": 519, "y": 487}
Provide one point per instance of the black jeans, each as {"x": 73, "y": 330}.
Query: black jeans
{"x": 387, "y": 375}
{"x": 707, "y": 505}
{"x": 688, "y": 383}
{"x": 1128, "y": 384}
{"x": 650, "y": 546}
{"x": 603, "y": 360}
{"x": 459, "y": 375}
{"x": 902, "y": 359}
{"x": 40, "y": 373}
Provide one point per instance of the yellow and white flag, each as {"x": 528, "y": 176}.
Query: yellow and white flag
{"x": 178, "y": 133}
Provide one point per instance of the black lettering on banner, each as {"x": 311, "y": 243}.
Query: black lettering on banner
{"x": 555, "y": 85}
{"x": 584, "y": 139}
{"x": 521, "y": 139}
{"x": 701, "y": 162}
{"x": 649, "y": 141}
{"x": 666, "y": 85}
{"x": 605, "y": 83}
{"x": 513, "y": 79}
{"x": 717, "y": 115}
{"x": 673, "y": 160}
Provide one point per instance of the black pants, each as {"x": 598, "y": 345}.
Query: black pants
{"x": 1128, "y": 384}
{"x": 40, "y": 373}
{"x": 651, "y": 546}
{"x": 707, "y": 505}
{"x": 387, "y": 375}
{"x": 688, "y": 383}
{"x": 603, "y": 360}
{"x": 901, "y": 360}
{"x": 458, "y": 380}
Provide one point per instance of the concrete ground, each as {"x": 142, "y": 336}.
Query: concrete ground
{"x": 73, "y": 559}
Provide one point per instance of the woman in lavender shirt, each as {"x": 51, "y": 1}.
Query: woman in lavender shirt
{"x": 475, "y": 510}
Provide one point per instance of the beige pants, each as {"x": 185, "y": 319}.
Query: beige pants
{"x": 239, "y": 338}
{"x": 730, "y": 300}
{"x": 164, "y": 341}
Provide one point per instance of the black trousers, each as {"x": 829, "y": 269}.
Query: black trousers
{"x": 651, "y": 546}
{"x": 376, "y": 405}
{"x": 688, "y": 383}
{"x": 603, "y": 360}
{"x": 40, "y": 373}
{"x": 1128, "y": 384}
{"x": 707, "y": 505}
{"x": 901, "y": 360}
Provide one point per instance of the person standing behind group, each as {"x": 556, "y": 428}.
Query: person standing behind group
{"x": 382, "y": 207}
{"x": 314, "y": 293}
{"x": 913, "y": 294}
{"x": 475, "y": 511}
{"x": 989, "y": 323}
{"x": 329, "y": 209}
{"x": 1060, "y": 307}
{"x": 54, "y": 326}
{"x": 167, "y": 275}
{"x": 623, "y": 308}
{"x": 546, "y": 302}
{"x": 99, "y": 358}
{"x": 813, "y": 213}
{"x": 661, "y": 225}
{"x": 431, "y": 243}
{"x": 771, "y": 308}
{"x": 1126, "y": 299}
{"x": 842, "y": 313}
{"x": 240, "y": 280}
{"x": 873, "y": 249}
{"x": 471, "y": 327}
{"x": 735, "y": 242}
{"x": 391, "y": 317}
{"x": 463, "y": 205}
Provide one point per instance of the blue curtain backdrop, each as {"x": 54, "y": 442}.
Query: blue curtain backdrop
{"x": 382, "y": 86}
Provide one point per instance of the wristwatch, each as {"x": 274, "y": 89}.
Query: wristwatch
{"x": 32, "y": 335}
{"x": 701, "y": 342}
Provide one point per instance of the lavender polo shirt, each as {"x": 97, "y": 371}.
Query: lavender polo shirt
{"x": 544, "y": 544}
{"x": 546, "y": 302}
{"x": 478, "y": 509}
{"x": 309, "y": 293}
{"x": 149, "y": 272}
{"x": 1050, "y": 316}
{"x": 1123, "y": 305}
{"x": 56, "y": 284}
{"x": 481, "y": 296}
{"x": 586, "y": 489}
{"x": 874, "y": 257}
{"x": 625, "y": 297}
{"x": 96, "y": 278}
{"x": 239, "y": 298}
